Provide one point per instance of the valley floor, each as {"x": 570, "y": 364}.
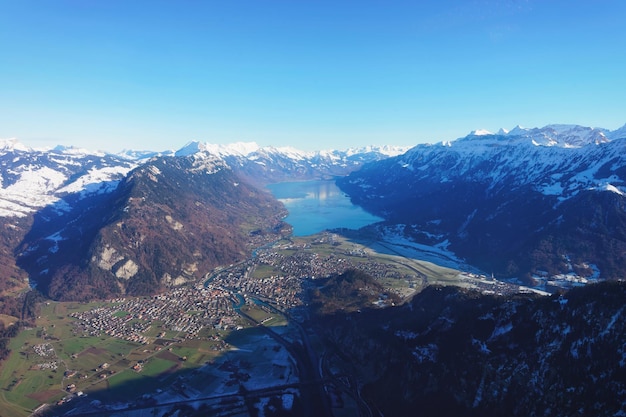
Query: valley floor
{"x": 235, "y": 343}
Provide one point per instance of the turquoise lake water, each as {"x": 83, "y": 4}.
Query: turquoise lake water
{"x": 315, "y": 206}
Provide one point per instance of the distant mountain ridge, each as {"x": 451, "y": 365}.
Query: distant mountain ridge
{"x": 263, "y": 165}
{"x": 557, "y": 134}
{"x": 31, "y": 178}
{"x": 528, "y": 203}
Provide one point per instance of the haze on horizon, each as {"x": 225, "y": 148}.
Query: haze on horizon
{"x": 157, "y": 74}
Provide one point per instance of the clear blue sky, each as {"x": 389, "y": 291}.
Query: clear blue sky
{"x": 321, "y": 74}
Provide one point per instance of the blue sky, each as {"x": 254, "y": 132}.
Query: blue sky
{"x": 114, "y": 75}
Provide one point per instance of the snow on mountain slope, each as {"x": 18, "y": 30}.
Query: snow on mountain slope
{"x": 12, "y": 144}
{"x": 34, "y": 178}
{"x": 561, "y": 135}
{"x": 31, "y": 179}
{"x": 249, "y": 149}
{"x": 238, "y": 149}
{"x": 262, "y": 165}
{"x": 556, "y": 159}
{"x": 618, "y": 133}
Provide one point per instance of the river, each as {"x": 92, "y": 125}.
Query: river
{"x": 318, "y": 205}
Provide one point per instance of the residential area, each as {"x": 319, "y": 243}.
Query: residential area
{"x": 275, "y": 275}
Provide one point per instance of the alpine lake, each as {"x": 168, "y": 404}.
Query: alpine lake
{"x": 315, "y": 206}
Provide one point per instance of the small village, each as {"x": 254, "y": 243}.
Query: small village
{"x": 183, "y": 310}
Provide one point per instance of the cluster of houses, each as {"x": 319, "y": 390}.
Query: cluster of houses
{"x": 187, "y": 310}
{"x": 44, "y": 350}
{"x": 305, "y": 263}
{"x": 283, "y": 290}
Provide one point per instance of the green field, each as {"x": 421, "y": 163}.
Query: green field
{"x": 256, "y": 312}
{"x": 100, "y": 366}
{"x": 24, "y": 387}
{"x": 29, "y": 379}
{"x": 262, "y": 271}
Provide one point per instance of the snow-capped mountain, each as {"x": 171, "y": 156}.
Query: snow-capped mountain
{"x": 553, "y": 135}
{"x": 31, "y": 179}
{"x": 524, "y": 202}
{"x": 262, "y": 165}
{"x": 169, "y": 221}
{"x": 556, "y": 160}
{"x": 250, "y": 149}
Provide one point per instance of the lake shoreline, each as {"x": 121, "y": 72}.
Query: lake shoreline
{"x": 318, "y": 205}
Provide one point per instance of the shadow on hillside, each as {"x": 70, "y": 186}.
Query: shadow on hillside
{"x": 62, "y": 232}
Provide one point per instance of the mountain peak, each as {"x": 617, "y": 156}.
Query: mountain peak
{"x": 480, "y": 132}
{"x": 231, "y": 149}
{"x": 236, "y": 148}
{"x": 561, "y": 135}
{"x": 190, "y": 148}
{"x": 517, "y": 130}
{"x": 12, "y": 144}
{"x": 76, "y": 151}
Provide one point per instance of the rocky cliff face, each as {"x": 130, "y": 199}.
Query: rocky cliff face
{"x": 454, "y": 352}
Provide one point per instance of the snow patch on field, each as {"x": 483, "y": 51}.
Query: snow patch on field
{"x": 500, "y": 330}
{"x": 393, "y": 240}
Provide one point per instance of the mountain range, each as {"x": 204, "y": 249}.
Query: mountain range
{"x": 542, "y": 206}
{"x": 530, "y": 204}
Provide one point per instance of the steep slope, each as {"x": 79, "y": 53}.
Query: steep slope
{"x": 170, "y": 220}
{"x": 530, "y": 202}
{"x": 32, "y": 179}
{"x": 454, "y": 352}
